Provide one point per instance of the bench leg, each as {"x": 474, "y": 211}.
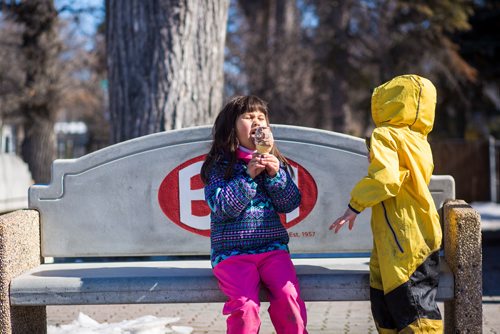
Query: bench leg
{"x": 19, "y": 252}
{"x": 463, "y": 253}
{"x": 28, "y": 319}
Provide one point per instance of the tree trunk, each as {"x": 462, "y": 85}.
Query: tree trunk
{"x": 38, "y": 149}
{"x": 165, "y": 64}
{"x": 335, "y": 68}
{"x": 276, "y": 62}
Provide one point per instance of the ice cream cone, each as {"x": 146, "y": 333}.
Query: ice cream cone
{"x": 263, "y": 139}
{"x": 263, "y": 149}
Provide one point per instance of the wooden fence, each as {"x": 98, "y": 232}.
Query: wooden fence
{"x": 468, "y": 162}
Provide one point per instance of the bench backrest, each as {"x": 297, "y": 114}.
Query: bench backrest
{"x": 145, "y": 197}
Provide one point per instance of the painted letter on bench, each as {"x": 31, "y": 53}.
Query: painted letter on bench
{"x": 182, "y": 199}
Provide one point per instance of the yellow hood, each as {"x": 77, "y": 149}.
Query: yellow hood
{"x": 406, "y": 100}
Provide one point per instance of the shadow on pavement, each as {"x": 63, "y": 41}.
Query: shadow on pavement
{"x": 491, "y": 263}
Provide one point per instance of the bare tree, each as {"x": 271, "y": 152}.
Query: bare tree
{"x": 11, "y": 73}
{"x": 84, "y": 84}
{"x": 334, "y": 55}
{"x": 165, "y": 64}
{"x": 361, "y": 44}
{"x": 39, "y": 49}
{"x": 269, "y": 46}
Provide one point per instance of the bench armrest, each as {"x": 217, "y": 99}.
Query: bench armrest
{"x": 19, "y": 252}
{"x": 463, "y": 253}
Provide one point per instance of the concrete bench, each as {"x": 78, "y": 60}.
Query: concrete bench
{"x": 144, "y": 197}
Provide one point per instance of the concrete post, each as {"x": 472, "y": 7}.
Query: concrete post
{"x": 19, "y": 251}
{"x": 462, "y": 240}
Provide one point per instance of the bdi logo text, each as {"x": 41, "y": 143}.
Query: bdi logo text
{"x": 182, "y": 198}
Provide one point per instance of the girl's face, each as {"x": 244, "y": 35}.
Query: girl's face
{"x": 246, "y": 124}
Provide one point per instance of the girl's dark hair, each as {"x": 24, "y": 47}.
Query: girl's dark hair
{"x": 225, "y": 142}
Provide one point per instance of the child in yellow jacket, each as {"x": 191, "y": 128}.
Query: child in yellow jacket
{"x": 406, "y": 231}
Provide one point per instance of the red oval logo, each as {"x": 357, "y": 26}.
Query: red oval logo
{"x": 182, "y": 199}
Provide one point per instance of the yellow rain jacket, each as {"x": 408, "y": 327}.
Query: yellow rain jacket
{"x": 405, "y": 223}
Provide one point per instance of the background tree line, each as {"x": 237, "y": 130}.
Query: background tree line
{"x": 317, "y": 61}
{"x": 164, "y": 64}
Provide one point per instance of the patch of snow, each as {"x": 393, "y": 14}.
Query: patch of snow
{"x": 144, "y": 325}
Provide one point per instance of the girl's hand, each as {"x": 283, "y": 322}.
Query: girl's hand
{"x": 348, "y": 216}
{"x": 255, "y": 166}
{"x": 272, "y": 164}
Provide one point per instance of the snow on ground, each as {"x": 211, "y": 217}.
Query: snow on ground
{"x": 144, "y": 325}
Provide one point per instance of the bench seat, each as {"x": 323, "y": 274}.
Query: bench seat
{"x": 321, "y": 279}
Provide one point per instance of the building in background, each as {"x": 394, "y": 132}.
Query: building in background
{"x": 72, "y": 139}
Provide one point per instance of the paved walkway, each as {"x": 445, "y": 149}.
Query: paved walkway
{"x": 324, "y": 317}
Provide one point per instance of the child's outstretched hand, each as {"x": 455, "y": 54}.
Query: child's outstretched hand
{"x": 348, "y": 216}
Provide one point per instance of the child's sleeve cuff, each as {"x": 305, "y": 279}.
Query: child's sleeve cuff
{"x": 356, "y": 208}
{"x": 274, "y": 179}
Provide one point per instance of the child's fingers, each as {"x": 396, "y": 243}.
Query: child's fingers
{"x": 255, "y": 167}
{"x": 351, "y": 224}
{"x": 340, "y": 225}
{"x": 337, "y": 225}
{"x": 263, "y": 160}
{"x": 257, "y": 162}
{"x": 348, "y": 217}
{"x": 269, "y": 159}
{"x": 334, "y": 224}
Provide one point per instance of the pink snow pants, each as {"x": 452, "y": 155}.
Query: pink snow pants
{"x": 240, "y": 277}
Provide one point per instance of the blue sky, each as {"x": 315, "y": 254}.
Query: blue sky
{"x": 87, "y": 21}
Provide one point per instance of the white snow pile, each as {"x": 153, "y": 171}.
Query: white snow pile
{"x": 144, "y": 325}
